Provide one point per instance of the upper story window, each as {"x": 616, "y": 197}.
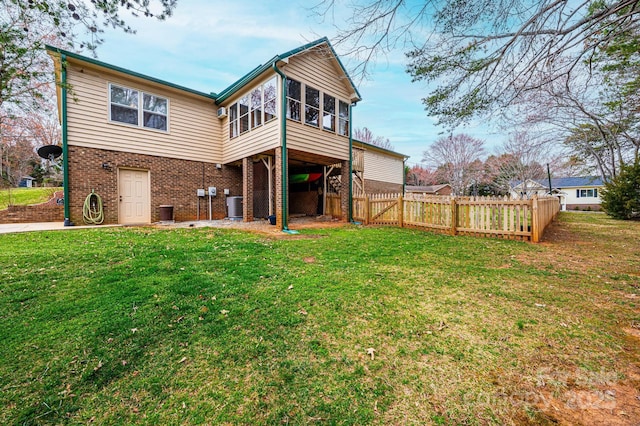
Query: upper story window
{"x": 294, "y": 97}
{"x": 329, "y": 113}
{"x": 587, "y": 193}
{"x": 125, "y": 108}
{"x": 253, "y": 110}
{"x": 343, "y": 118}
{"x": 243, "y": 109}
{"x": 320, "y": 109}
{"x": 312, "y": 106}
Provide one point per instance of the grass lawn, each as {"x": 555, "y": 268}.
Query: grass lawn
{"x": 25, "y": 196}
{"x": 334, "y": 326}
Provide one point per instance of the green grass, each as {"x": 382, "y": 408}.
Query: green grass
{"x": 25, "y": 196}
{"x": 189, "y": 326}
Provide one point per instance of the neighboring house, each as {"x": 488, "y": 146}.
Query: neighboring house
{"x": 444, "y": 189}
{"x": 140, "y": 142}
{"x": 26, "y": 182}
{"x": 575, "y": 193}
{"x": 377, "y": 170}
{"x": 578, "y": 193}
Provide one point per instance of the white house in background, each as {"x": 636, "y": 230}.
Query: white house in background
{"x": 578, "y": 193}
{"x": 575, "y": 193}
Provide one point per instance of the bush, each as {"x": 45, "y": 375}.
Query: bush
{"x": 621, "y": 196}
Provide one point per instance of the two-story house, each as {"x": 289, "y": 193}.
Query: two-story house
{"x": 141, "y": 143}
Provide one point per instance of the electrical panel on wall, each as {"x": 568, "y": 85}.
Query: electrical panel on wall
{"x": 200, "y": 192}
{"x": 212, "y": 191}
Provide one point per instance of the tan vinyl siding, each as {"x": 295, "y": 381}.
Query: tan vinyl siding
{"x": 253, "y": 142}
{"x": 383, "y": 168}
{"x": 256, "y": 140}
{"x": 307, "y": 138}
{"x": 320, "y": 71}
{"x": 193, "y": 128}
{"x": 323, "y": 73}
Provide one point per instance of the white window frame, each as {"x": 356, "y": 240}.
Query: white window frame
{"x": 235, "y": 124}
{"x": 140, "y": 108}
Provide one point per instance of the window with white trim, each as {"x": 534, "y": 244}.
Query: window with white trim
{"x": 253, "y": 110}
{"x": 124, "y": 107}
{"x": 233, "y": 121}
{"x": 243, "y": 111}
{"x": 328, "y": 112}
{"x": 320, "y": 109}
{"x": 256, "y": 107}
{"x": 294, "y": 98}
{"x": 343, "y": 118}
{"x": 269, "y": 90}
{"x": 587, "y": 193}
{"x": 312, "y": 106}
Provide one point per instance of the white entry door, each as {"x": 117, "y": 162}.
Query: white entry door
{"x": 135, "y": 205}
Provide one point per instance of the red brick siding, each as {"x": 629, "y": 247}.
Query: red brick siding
{"x": 378, "y": 187}
{"x": 173, "y": 182}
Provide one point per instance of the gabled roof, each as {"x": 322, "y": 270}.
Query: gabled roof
{"x": 559, "y": 183}
{"x": 360, "y": 144}
{"x": 235, "y": 87}
{"x": 432, "y": 189}
{"x": 229, "y": 91}
{"x": 92, "y": 61}
{"x": 569, "y": 182}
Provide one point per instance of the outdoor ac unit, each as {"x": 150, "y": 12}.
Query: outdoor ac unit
{"x": 222, "y": 112}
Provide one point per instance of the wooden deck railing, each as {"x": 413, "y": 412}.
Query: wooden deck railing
{"x": 480, "y": 216}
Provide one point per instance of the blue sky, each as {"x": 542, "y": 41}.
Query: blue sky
{"x": 208, "y": 44}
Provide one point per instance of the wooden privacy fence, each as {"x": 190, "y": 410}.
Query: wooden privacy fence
{"x": 480, "y": 216}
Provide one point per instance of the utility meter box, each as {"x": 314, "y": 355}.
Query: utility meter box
{"x": 212, "y": 191}
{"x": 226, "y": 192}
{"x": 200, "y": 192}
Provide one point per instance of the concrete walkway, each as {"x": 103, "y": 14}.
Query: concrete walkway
{"x": 10, "y": 228}
{"x": 261, "y": 226}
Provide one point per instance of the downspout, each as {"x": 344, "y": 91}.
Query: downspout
{"x": 350, "y": 210}
{"x": 404, "y": 177}
{"x": 65, "y": 148}
{"x": 283, "y": 145}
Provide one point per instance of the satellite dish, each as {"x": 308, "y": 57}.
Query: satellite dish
{"x": 50, "y": 152}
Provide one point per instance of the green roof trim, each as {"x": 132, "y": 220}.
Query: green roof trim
{"x": 235, "y": 87}
{"x": 127, "y": 72}
{"x": 388, "y": 151}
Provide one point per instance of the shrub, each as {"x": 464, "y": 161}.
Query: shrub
{"x": 621, "y": 196}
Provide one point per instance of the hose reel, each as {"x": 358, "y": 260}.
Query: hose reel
{"x": 92, "y": 211}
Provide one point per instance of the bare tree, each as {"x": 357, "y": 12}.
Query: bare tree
{"x": 365, "y": 135}
{"x": 421, "y": 176}
{"x": 26, "y": 26}
{"x": 484, "y": 54}
{"x": 524, "y": 157}
{"x": 455, "y": 158}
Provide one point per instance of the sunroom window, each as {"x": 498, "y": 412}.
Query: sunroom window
{"x": 293, "y": 100}
{"x": 329, "y": 113}
{"x": 343, "y": 118}
{"x": 244, "y": 114}
{"x": 256, "y": 107}
{"x": 233, "y": 121}
{"x": 269, "y": 93}
{"x": 312, "y": 106}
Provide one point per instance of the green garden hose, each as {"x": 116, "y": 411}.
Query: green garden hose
{"x": 92, "y": 212}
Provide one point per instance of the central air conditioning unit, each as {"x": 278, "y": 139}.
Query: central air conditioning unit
{"x": 222, "y": 112}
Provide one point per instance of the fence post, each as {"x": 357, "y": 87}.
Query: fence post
{"x": 535, "y": 224}
{"x": 367, "y": 214}
{"x": 400, "y": 211}
{"x": 454, "y": 215}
